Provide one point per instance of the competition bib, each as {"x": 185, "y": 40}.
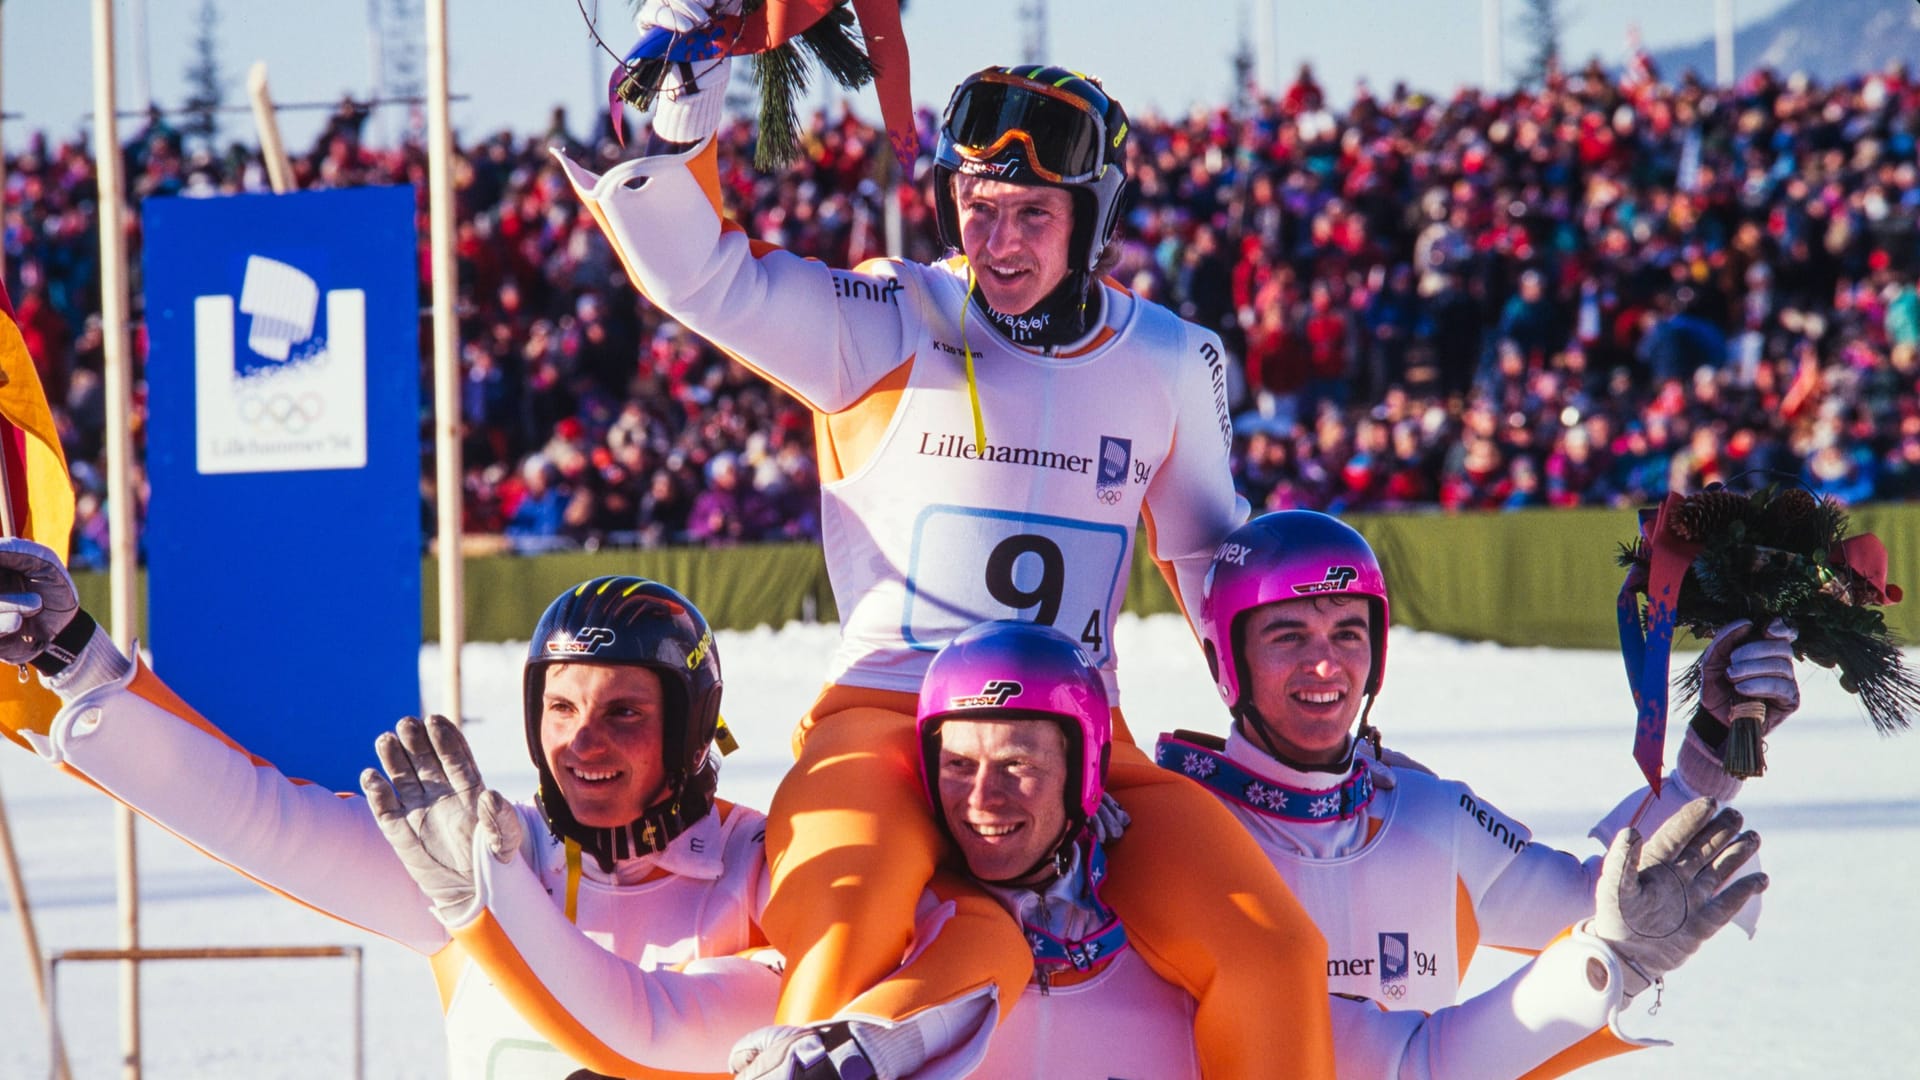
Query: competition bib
{"x": 969, "y": 565}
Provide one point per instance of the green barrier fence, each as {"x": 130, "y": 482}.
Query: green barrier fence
{"x": 1534, "y": 577}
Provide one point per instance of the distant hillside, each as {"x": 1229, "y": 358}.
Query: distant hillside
{"x": 1831, "y": 40}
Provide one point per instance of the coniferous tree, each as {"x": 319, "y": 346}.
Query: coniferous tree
{"x": 207, "y": 90}
{"x": 1542, "y": 22}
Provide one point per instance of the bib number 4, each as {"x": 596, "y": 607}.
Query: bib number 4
{"x": 972, "y": 565}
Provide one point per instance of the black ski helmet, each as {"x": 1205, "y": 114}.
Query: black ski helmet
{"x": 631, "y": 621}
{"x": 1042, "y": 126}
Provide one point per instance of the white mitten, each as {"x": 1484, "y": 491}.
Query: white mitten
{"x": 1656, "y": 900}
{"x": 692, "y": 94}
{"x": 681, "y": 16}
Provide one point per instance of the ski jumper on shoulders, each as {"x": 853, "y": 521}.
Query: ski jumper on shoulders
{"x": 927, "y": 533}
{"x": 694, "y": 904}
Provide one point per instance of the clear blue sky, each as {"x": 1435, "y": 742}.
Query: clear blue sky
{"x": 516, "y": 59}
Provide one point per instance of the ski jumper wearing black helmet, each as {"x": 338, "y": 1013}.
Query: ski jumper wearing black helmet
{"x": 1042, "y": 126}
{"x": 631, "y": 621}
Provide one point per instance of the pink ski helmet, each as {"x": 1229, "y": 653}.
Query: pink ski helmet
{"x": 1009, "y": 670}
{"x": 1285, "y": 555}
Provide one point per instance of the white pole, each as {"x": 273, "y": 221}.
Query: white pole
{"x": 120, "y": 516}
{"x": 16, "y": 884}
{"x": 142, "y": 55}
{"x": 1723, "y": 73}
{"x": 1491, "y": 62}
{"x": 377, "y": 66}
{"x": 1263, "y": 18}
{"x": 890, "y": 217}
{"x": 273, "y": 153}
{"x": 446, "y": 358}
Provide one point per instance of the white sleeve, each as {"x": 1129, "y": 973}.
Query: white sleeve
{"x": 954, "y": 1035}
{"x": 311, "y": 844}
{"x": 1524, "y": 892}
{"x": 825, "y": 335}
{"x": 1537, "y": 1012}
{"x": 1191, "y": 505}
{"x": 1542, "y": 892}
{"x": 602, "y": 1011}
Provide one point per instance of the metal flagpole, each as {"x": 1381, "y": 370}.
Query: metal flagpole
{"x": 446, "y": 359}
{"x": 16, "y": 883}
{"x": 1723, "y": 43}
{"x": 120, "y": 509}
{"x": 1491, "y": 39}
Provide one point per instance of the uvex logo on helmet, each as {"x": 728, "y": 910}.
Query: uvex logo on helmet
{"x": 993, "y": 170}
{"x": 1338, "y": 579}
{"x": 589, "y": 640}
{"x": 991, "y": 696}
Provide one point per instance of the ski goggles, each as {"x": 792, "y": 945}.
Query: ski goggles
{"x": 1065, "y": 138}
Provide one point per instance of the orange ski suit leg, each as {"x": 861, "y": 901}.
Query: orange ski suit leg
{"x": 1207, "y": 910}
{"x": 852, "y": 845}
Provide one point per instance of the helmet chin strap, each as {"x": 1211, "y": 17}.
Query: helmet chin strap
{"x": 1254, "y": 726}
{"x": 686, "y": 802}
{"x": 1054, "y": 862}
{"x": 1061, "y": 317}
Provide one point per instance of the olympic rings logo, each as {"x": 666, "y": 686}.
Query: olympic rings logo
{"x": 290, "y": 412}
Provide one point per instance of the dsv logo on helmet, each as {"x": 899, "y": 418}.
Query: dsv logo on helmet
{"x": 1338, "y": 579}
{"x": 589, "y": 640}
{"x": 991, "y": 696}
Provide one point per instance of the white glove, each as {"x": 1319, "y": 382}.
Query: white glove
{"x": 1656, "y": 901}
{"x": 1744, "y": 663}
{"x": 1110, "y": 820}
{"x": 433, "y": 809}
{"x": 37, "y": 599}
{"x": 816, "y": 1052}
{"x": 687, "y": 112}
{"x": 681, "y": 16}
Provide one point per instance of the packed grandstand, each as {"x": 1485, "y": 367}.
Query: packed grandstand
{"x": 1582, "y": 294}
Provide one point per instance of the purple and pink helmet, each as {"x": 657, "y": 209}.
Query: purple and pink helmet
{"x": 1009, "y": 670}
{"x": 1285, "y": 555}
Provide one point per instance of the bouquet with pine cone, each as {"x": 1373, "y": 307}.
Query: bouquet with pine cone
{"x": 1707, "y": 559}
{"x": 787, "y": 40}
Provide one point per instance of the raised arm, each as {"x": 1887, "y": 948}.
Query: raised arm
{"x": 825, "y": 335}
{"x": 128, "y": 734}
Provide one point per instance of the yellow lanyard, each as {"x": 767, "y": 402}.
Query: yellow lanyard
{"x": 973, "y": 387}
{"x": 573, "y": 882}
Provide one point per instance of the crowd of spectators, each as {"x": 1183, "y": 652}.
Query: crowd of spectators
{"x": 1582, "y": 293}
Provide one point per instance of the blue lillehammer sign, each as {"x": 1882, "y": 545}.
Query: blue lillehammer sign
{"x": 283, "y": 537}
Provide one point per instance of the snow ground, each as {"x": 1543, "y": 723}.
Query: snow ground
{"x": 1543, "y": 734}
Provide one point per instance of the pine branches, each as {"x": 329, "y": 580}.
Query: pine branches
{"x": 1778, "y": 553}
{"x": 784, "y": 73}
